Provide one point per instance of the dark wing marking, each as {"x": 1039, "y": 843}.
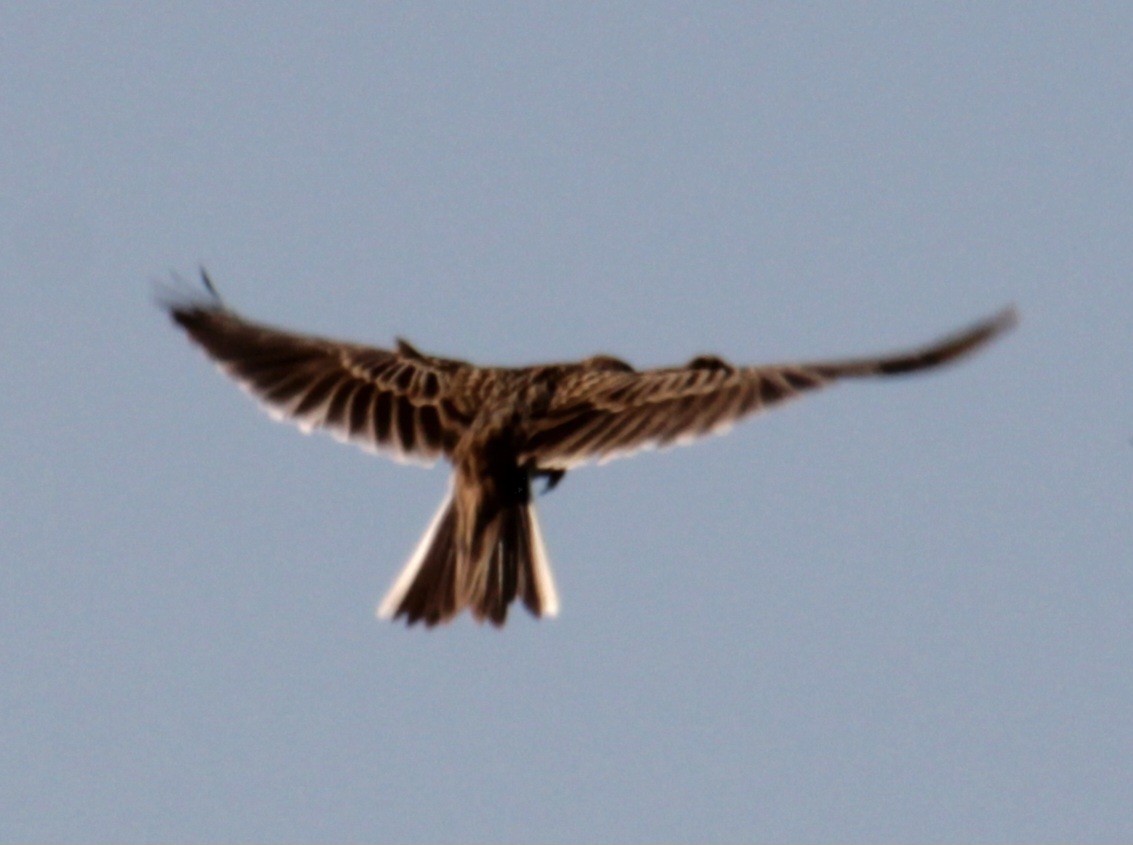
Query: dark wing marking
{"x": 598, "y": 414}
{"x": 395, "y": 403}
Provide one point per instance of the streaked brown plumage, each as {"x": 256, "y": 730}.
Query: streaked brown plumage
{"x": 502, "y": 428}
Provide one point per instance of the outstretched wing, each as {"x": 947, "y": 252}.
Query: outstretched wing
{"x": 602, "y": 413}
{"x": 392, "y": 402}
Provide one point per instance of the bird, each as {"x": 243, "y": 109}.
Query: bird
{"x": 505, "y": 430}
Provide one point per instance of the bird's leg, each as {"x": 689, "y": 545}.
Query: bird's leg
{"x": 551, "y": 476}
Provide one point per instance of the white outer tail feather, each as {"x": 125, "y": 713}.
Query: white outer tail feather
{"x": 396, "y": 593}
{"x": 544, "y": 580}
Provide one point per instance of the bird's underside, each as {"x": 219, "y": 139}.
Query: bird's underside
{"x": 504, "y": 427}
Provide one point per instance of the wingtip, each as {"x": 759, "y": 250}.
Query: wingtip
{"x": 1004, "y": 320}
{"x": 977, "y": 336}
{"x": 209, "y": 286}
{"x": 179, "y": 295}
{"x": 992, "y": 327}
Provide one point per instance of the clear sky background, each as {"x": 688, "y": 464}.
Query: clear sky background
{"x": 893, "y": 611}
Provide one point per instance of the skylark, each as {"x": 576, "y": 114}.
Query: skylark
{"x": 503, "y": 428}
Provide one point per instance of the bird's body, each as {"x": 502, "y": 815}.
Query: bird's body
{"x": 503, "y": 428}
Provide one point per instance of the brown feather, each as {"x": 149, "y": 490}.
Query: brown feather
{"x": 501, "y": 427}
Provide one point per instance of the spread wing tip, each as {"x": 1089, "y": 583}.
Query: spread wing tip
{"x": 946, "y": 350}
{"x": 188, "y": 305}
{"x": 1002, "y": 321}
{"x": 966, "y": 340}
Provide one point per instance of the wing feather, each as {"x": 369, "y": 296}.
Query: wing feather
{"x": 599, "y": 414}
{"x": 391, "y": 402}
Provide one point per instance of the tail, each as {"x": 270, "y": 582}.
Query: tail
{"x": 439, "y": 581}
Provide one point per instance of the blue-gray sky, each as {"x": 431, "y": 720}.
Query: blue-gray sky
{"x": 893, "y": 611}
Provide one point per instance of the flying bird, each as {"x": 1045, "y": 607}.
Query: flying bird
{"x": 504, "y": 429}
